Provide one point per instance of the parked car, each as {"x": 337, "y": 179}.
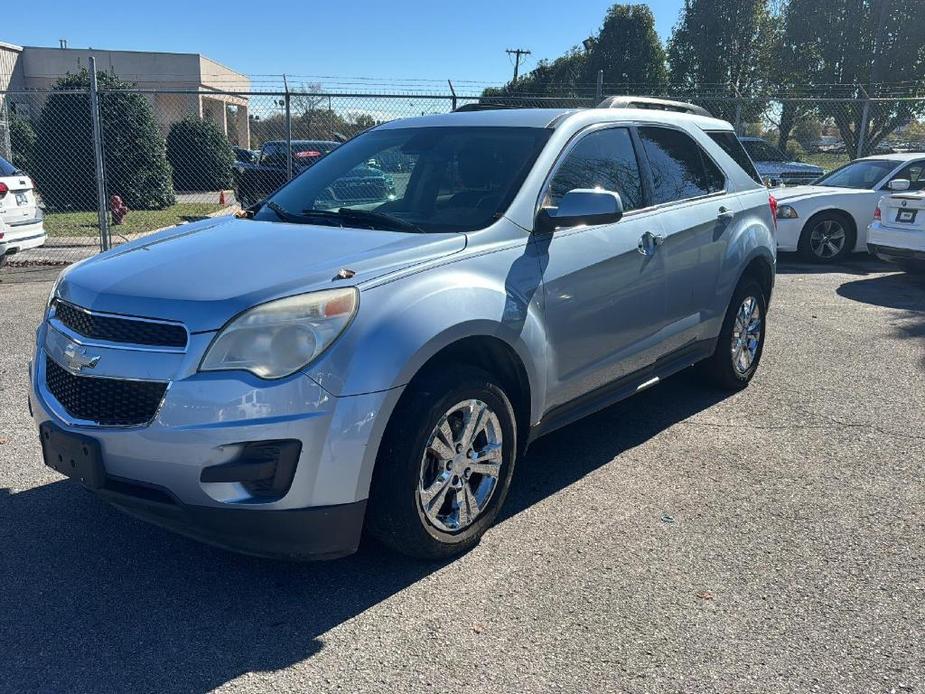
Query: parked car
{"x": 255, "y": 180}
{"x": 248, "y": 156}
{"x": 21, "y": 219}
{"x": 897, "y": 233}
{"x": 309, "y": 371}
{"x": 828, "y": 220}
{"x": 779, "y": 167}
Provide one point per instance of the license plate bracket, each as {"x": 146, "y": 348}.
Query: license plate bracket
{"x": 906, "y": 216}
{"x": 73, "y": 455}
{"x": 22, "y": 199}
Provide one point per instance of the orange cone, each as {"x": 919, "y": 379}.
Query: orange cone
{"x": 221, "y": 198}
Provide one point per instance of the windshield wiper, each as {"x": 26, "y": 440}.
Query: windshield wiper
{"x": 287, "y": 216}
{"x": 346, "y": 214}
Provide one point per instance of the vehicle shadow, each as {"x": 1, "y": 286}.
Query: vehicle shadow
{"x": 856, "y": 264}
{"x": 91, "y": 599}
{"x": 900, "y": 291}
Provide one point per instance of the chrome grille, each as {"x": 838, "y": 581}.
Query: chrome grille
{"x": 117, "y": 329}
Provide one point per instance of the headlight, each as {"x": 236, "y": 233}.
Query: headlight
{"x": 786, "y": 212}
{"x": 278, "y": 338}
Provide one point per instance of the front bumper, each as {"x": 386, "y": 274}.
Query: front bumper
{"x": 206, "y": 420}
{"x": 318, "y": 532}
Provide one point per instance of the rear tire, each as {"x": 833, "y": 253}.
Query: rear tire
{"x": 828, "y": 237}
{"x": 423, "y": 502}
{"x": 741, "y": 339}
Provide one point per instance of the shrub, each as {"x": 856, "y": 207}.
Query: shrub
{"x": 22, "y": 143}
{"x": 200, "y": 155}
{"x": 134, "y": 154}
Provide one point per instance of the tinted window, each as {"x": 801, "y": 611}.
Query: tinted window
{"x": 680, "y": 169}
{"x": 604, "y": 159}
{"x": 6, "y": 168}
{"x": 915, "y": 172}
{"x": 731, "y": 146}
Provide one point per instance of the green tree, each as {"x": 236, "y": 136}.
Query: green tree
{"x": 855, "y": 49}
{"x": 626, "y": 48}
{"x": 200, "y": 155}
{"x": 722, "y": 46}
{"x": 134, "y": 151}
{"x": 628, "y": 51}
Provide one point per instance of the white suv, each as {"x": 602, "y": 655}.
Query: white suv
{"x": 21, "y": 219}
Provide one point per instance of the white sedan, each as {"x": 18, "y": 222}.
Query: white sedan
{"x": 828, "y": 220}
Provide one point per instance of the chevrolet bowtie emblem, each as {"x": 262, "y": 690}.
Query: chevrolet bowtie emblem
{"x": 78, "y": 359}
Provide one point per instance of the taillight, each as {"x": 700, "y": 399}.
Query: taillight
{"x": 772, "y": 203}
{"x": 4, "y": 189}
{"x": 877, "y": 213}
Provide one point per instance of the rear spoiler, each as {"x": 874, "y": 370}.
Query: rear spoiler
{"x": 654, "y": 104}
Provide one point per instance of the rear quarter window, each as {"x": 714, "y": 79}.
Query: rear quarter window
{"x": 730, "y": 144}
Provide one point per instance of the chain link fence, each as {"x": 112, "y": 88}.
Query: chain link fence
{"x": 112, "y": 165}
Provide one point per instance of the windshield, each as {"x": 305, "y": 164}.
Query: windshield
{"x": 434, "y": 179}
{"x": 759, "y": 150}
{"x": 858, "y": 174}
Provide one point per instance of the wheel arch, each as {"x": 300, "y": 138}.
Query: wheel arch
{"x": 847, "y": 217}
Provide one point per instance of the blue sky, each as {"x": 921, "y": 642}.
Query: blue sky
{"x": 359, "y": 38}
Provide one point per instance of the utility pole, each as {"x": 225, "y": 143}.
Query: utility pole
{"x": 517, "y": 53}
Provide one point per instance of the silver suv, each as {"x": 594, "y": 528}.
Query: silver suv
{"x": 337, "y": 361}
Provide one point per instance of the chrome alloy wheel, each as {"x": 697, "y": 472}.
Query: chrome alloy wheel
{"x": 827, "y": 239}
{"x": 460, "y": 466}
{"x": 746, "y": 335}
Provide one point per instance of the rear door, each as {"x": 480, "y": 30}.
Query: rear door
{"x": 696, "y": 216}
{"x": 17, "y": 198}
{"x": 605, "y": 301}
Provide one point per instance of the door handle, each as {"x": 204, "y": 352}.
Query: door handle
{"x": 648, "y": 242}
{"x": 725, "y": 213}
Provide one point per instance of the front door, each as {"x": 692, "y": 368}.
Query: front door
{"x": 605, "y": 300}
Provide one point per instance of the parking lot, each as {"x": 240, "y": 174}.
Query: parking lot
{"x": 682, "y": 541}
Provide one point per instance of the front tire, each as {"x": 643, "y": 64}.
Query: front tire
{"x": 741, "y": 339}
{"x": 827, "y": 237}
{"x": 445, "y": 464}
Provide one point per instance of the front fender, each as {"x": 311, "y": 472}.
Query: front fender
{"x": 400, "y": 325}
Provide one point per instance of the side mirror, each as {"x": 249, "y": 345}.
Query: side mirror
{"x": 899, "y": 184}
{"x": 581, "y": 207}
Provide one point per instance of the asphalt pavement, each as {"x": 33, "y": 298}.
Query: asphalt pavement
{"x": 682, "y": 541}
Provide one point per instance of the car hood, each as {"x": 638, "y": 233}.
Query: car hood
{"x": 796, "y": 193}
{"x": 206, "y": 272}
{"x": 770, "y": 168}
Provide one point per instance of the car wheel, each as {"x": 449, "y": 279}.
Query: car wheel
{"x": 741, "y": 339}
{"x": 827, "y": 238}
{"x": 445, "y": 465}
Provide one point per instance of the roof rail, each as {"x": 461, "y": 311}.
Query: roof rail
{"x": 652, "y": 103}
{"x": 479, "y": 106}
